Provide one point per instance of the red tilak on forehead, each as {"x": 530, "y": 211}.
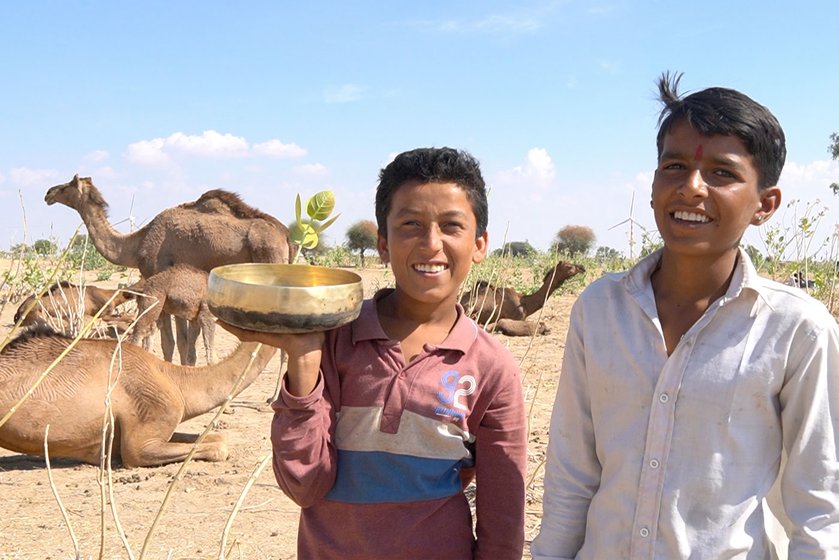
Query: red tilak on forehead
{"x": 698, "y": 154}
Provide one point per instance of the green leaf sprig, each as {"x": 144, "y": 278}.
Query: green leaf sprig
{"x": 306, "y": 230}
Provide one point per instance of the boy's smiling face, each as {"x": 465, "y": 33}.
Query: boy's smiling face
{"x": 705, "y": 192}
{"x": 431, "y": 241}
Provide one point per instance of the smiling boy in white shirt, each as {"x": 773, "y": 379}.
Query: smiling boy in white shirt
{"x": 685, "y": 378}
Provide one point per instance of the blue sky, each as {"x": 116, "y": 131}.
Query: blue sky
{"x": 161, "y": 101}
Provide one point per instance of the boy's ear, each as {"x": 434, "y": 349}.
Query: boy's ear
{"x": 381, "y": 247}
{"x": 480, "y": 248}
{"x": 770, "y": 200}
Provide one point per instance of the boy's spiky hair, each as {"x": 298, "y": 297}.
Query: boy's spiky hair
{"x": 718, "y": 110}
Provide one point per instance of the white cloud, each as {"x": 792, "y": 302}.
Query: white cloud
{"x": 820, "y": 170}
{"x": 312, "y": 170}
{"x": 276, "y": 149}
{"x": 209, "y": 144}
{"x": 518, "y": 21}
{"x": 148, "y": 152}
{"x": 345, "y": 93}
{"x": 26, "y": 177}
{"x": 538, "y": 169}
{"x": 495, "y": 24}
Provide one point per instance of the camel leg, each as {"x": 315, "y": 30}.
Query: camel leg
{"x": 186, "y": 340}
{"x": 208, "y": 331}
{"x": 167, "y": 339}
{"x": 156, "y": 451}
{"x": 182, "y": 437}
{"x": 513, "y": 327}
{"x": 148, "y": 436}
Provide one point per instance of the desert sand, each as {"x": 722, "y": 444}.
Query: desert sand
{"x": 192, "y": 523}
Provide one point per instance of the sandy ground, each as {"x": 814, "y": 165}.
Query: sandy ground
{"x": 192, "y": 523}
{"x": 196, "y": 517}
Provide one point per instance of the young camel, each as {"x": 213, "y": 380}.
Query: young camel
{"x": 66, "y": 307}
{"x": 150, "y": 398}
{"x": 504, "y": 310}
{"x": 217, "y": 229}
{"x": 180, "y": 291}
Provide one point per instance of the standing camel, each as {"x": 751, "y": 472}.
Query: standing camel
{"x": 180, "y": 291}
{"x": 150, "y": 397}
{"x": 505, "y": 310}
{"x": 217, "y": 229}
{"x": 66, "y": 307}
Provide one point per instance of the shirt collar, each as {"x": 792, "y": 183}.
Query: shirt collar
{"x": 745, "y": 277}
{"x": 368, "y": 327}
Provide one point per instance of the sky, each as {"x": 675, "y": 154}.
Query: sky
{"x": 159, "y": 102}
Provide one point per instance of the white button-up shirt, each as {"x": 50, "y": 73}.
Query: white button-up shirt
{"x": 657, "y": 457}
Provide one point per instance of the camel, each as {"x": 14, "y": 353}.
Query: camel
{"x": 150, "y": 398}
{"x": 66, "y": 307}
{"x": 504, "y": 310}
{"x": 180, "y": 291}
{"x": 217, "y": 229}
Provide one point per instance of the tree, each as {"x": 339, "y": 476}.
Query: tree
{"x": 83, "y": 254}
{"x": 574, "y": 241}
{"x": 516, "y": 249}
{"x": 45, "y": 247}
{"x": 606, "y": 254}
{"x": 834, "y": 152}
{"x": 362, "y": 236}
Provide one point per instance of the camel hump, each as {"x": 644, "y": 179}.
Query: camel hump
{"x": 37, "y": 330}
{"x": 233, "y": 202}
{"x": 62, "y": 285}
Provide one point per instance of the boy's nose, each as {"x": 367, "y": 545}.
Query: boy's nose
{"x": 433, "y": 237}
{"x": 695, "y": 184}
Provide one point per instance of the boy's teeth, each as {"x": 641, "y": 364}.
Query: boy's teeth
{"x": 430, "y": 267}
{"x": 691, "y": 217}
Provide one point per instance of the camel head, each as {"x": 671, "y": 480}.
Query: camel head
{"x": 79, "y": 192}
{"x": 560, "y": 273}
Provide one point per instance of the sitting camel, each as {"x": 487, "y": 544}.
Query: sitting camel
{"x": 150, "y": 398}
{"x": 180, "y": 291}
{"x": 504, "y": 310}
{"x": 66, "y": 307}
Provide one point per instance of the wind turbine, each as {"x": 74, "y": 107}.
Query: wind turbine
{"x": 632, "y": 224}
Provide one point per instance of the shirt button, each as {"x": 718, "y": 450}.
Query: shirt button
{"x": 664, "y": 397}
{"x": 644, "y": 532}
{"x": 654, "y": 463}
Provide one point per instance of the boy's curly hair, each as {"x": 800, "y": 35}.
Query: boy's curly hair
{"x": 433, "y": 165}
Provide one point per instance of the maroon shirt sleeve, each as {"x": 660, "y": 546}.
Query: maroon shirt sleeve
{"x": 501, "y": 462}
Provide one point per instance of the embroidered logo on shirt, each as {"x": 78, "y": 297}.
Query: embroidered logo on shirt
{"x": 454, "y": 388}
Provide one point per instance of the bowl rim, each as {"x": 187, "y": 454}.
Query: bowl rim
{"x": 352, "y": 278}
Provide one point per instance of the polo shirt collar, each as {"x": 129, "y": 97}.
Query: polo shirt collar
{"x": 368, "y": 327}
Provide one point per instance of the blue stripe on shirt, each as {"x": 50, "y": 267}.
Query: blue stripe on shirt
{"x": 367, "y": 477}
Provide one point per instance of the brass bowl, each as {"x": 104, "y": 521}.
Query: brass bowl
{"x": 284, "y": 298}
